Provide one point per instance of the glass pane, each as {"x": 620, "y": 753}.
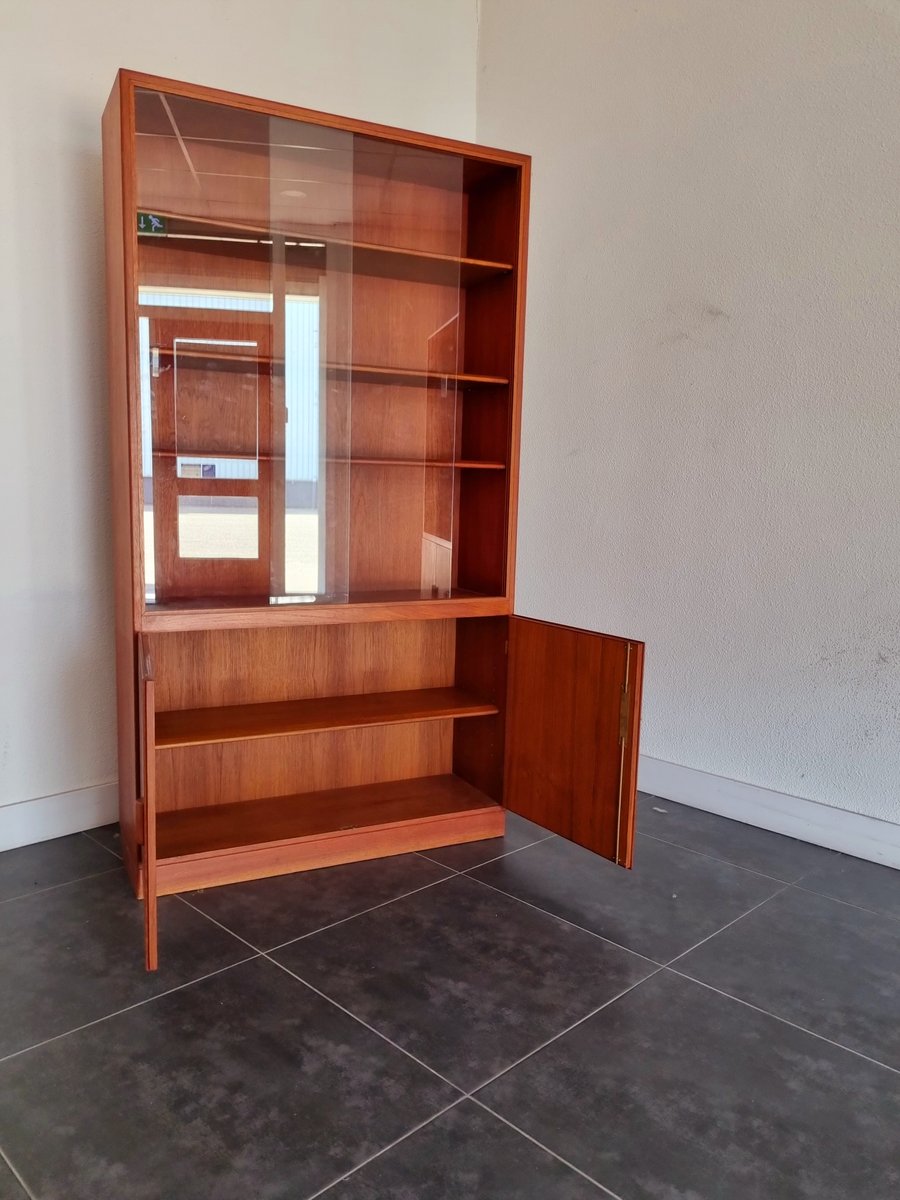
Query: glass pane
{"x": 218, "y": 527}
{"x": 407, "y": 351}
{"x": 301, "y": 339}
{"x": 245, "y": 232}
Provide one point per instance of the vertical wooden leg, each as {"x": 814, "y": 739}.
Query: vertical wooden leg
{"x": 149, "y": 859}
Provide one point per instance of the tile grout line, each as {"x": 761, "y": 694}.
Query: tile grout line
{"x": 365, "y": 1024}
{"x": 18, "y": 1178}
{"x": 796, "y": 883}
{"x": 114, "y": 853}
{"x": 224, "y": 928}
{"x": 128, "y": 1007}
{"x": 496, "y": 858}
{"x": 549, "y": 1042}
{"x": 509, "y": 853}
{"x": 740, "y": 917}
{"x": 55, "y": 886}
{"x": 546, "y": 1149}
{"x": 321, "y": 928}
{"x": 713, "y": 857}
{"x": 362, "y": 912}
{"x": 383, "y": 1150}
{"x": 876, "y": 912}
{"x": 876, "y": 1062}
{"x": 565, "y": 920}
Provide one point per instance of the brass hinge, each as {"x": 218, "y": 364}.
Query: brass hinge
{"x": 623, "y": 714}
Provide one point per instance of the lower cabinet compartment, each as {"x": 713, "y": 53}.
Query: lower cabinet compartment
{"x": 228, "y": 843}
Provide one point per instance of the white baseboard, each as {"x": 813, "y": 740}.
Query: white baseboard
{"x": 835, "y": 828}
{"x": 53, "y": 816}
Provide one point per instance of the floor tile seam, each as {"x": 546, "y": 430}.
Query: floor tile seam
{"x": 424, "y": 854}
{"x": 362, "y": 912}
{"x": 564, "y": 920}
{"x": 396, "y": 1142}
{"x": 553, "y": 1154}
{"x": 496, "y": 858}
{"x": 734, "y": 921}
{"x": 508, "y": 854}
{"x": 127, "y": 1008}
{"x": 876, "y": 1062}
{"x": 372, "y": 1029}
{"x": 56, "y": 886}
{"x": 4, "y": 1158}
{"x": 193, "y": 907}
{"x": 562, "y": 1033}
{"x": 877, "y": 912}
{"x": 86, "y": 833}
{"x": 713, "y": 857}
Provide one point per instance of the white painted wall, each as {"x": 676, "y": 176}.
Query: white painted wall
{"x": 712, "y": 392}
{"x": 712, "y": 425}
{"x": 402, "y": 62}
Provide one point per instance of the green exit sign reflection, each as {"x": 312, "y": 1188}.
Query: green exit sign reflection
{"x": 150, "y": 223}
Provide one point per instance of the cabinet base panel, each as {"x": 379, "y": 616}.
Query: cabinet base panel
{"x": 207, "y": 847}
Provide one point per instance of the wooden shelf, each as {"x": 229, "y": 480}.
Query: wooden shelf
{"x": 359, "y": 371}
{"x": 417, "y": 378}
{"x": 181, "y": 616}
{"x": 457, "y": 465}
{"x": 227, "y": 827}
{"x": 364, "y": 258}
{"x": 241, "y": 722}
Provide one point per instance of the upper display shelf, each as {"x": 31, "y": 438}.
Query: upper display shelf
{"x": 319, "y": 308}
{"x": 312, "y": 249}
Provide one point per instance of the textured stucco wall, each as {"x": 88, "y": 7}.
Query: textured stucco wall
{"x": 396, "y": 61}
{"x": 712, "y": 408}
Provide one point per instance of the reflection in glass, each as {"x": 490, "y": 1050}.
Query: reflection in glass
{"x": 218, "y": 527}
{"x": 300, "y": 335}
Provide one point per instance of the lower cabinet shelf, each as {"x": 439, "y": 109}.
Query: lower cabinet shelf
{"x": 203, "y": 847}
{"x": 241, "y": 722}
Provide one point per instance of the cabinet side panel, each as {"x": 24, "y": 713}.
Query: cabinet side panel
{"x": 121, "y": 486}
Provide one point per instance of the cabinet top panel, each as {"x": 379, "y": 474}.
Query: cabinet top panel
{"x": 273, "y": 108}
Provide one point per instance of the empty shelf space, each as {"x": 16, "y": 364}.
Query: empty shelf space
{"x": 415, "y": 378}
{"x": 228, "y": 827}
{"x": 241, "y": 722}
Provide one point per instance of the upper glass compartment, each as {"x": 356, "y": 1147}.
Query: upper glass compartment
{"x": 305, "y": 432}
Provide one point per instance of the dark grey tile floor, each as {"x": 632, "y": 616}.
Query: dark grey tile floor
{"x": 509, "y": 1020}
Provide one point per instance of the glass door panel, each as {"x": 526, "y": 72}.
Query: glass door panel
{"x": 245, "y": 232}
{"x": 407, "y": 352}
{"x": 302, "y": 330}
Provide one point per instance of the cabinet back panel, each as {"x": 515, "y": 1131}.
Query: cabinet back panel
{"x": 203, "y": 669}
{"x": 386, "y": 526}
{"x": 226, "y": 773}
{"x": 403, "y": 323}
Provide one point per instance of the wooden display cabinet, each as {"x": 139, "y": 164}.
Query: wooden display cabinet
{"x": 315, "y": 360}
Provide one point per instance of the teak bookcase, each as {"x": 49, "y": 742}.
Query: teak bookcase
{"x": 315, "y": 359}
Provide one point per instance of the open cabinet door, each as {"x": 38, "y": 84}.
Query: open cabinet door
{"x": 573, "y": 712}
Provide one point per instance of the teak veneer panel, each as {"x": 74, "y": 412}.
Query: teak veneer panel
{"x": 240, "y": 722}
{"x": 230, "y": 772}
{"x": 205, "y": 669}
{"x": 224, "y": 827}
{"x": 416, "y": 814}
